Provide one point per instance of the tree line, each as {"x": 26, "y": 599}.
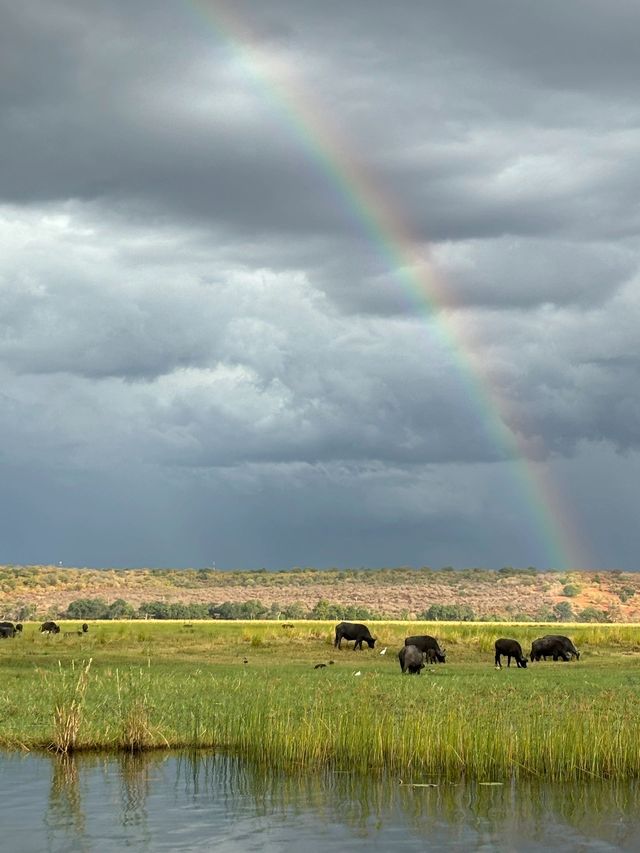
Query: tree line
{"x": 98, "y": 608}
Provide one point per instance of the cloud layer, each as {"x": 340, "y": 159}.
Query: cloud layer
{"x": 206, "y": 355}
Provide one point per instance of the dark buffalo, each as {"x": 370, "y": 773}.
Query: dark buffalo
{"x": 6, "y": 632}
{"x": 411, "y": 659}
{"x": 424, "y": 642}
{"x": 17, "y": 628}
{"x": 431, "y": 656}
{"x": 510, "y": 649}
{"x": 49, "y": 628}
{"x": 565, "y": 642}
{"x": 353, "y": 631}
{"x": 85, "y": 627}
{"x": 545, "y": 647}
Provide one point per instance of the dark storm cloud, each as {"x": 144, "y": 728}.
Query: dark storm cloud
{"x": 196, "y": 314}
{"x": 114, "y": 106}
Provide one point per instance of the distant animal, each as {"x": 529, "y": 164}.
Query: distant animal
{"x": 565, "y": 642}
{"x": 545, "y": 647}
{"x": 384, "y": 651}
{"x": 6, "y": 632}
{"x": 510, "y": 649}
{"x": 17, "y": 628}
{"x": 353, "y": 631}
{"x": 425, "y": 642}
{"x": 411, "y": 659}
{"x": 320, "y": 666}
{"x": 85, "y": 627}
{"x": 49, "y": 628}
{"x": 357, "y": 673}
{"x": 331, "y": 662}
{"x": 288, "y": 625}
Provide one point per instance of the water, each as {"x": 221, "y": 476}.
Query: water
{"x": 195, "y": 803}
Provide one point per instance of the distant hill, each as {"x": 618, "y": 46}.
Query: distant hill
{"x": 508, "y": 593}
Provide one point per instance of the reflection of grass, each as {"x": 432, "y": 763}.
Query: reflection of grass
{"x": 163, "y": 684}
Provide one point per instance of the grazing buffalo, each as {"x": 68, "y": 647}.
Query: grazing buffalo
{"x": 565, "y": 643}
{"x": 6, "y": 632}
{"x": 85, "y": 627}
{"x": 411, "y": 659}
{"x": 49, "y": 628}
{"x": 17, "y": 628}
{"x": 353, "y": 631}
{"x": 424, "y": 642}
{"x": 510, "y": 649}
{"x": 545, "y": 647}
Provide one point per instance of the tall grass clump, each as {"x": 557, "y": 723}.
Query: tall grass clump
{"x": 134, "y": 708}
{"x": 68, "y": 709}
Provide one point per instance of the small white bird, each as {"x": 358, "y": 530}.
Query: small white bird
{"x": 357, "y": 673}
{"x": 384, "y": 651}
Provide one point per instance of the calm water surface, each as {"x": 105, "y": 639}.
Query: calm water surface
{"x": 193, "y": 803}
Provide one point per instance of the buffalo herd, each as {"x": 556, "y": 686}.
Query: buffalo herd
{"x": 416, "y": 652}
{"x": 8, "y": 629}
{"x": 422, "y": 648}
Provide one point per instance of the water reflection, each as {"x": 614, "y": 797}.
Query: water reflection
{"x": 65, "y": 805}
{"x": 164, "y": 801}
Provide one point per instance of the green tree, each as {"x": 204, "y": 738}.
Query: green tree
{"x": 87, "y": 608}
{"x": 120, "y": 609}
{"x": 449, "y": 612}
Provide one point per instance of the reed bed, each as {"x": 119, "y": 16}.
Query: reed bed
{"x": 158, "y": 686}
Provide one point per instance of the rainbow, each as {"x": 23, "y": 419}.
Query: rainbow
{"x": 550, "y": 516}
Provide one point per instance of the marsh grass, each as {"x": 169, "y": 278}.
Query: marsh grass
{"x": 134, "y": 708}
{"x": 68, "y": 710}
{"x": 158, "y": 685}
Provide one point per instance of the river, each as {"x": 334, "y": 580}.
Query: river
{"x": 177, "y": 802}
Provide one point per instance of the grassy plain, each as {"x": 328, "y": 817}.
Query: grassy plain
{"x": 138, "y": 685}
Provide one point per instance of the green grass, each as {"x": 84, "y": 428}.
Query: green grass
{"x": 140, "y": 685}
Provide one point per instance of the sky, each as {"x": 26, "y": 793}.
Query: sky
{"x": 287, "y": 283}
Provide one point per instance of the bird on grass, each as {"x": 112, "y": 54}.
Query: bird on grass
{"x": 357, "y": 673}
{"x": 384, "y": 651}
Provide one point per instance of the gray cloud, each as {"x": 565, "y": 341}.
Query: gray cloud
{"x": 203, "y": 328}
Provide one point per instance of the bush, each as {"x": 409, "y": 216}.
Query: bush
{"x": 571, "y": 590}
{"x": 120, "y": 609}
{"x": 449, "y": 613}
{"x": 88, "y": 608}
{"x": 592, "y": 614}
{"x": 563, "y": 612}
{"x": 626, "y": 593}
